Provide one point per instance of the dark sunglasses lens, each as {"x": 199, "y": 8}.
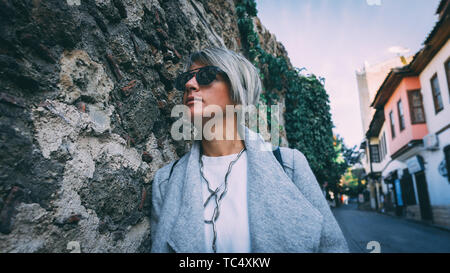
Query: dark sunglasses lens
{"x": 206, "y": 76}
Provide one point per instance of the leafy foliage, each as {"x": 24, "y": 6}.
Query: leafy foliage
{"x": 350, "y": 184}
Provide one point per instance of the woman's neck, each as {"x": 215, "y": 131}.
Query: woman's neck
{"x": 221, "y": 147}
{"x": 224, "y": 146}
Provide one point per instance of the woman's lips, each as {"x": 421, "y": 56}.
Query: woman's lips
{"x": 192, "y": 101}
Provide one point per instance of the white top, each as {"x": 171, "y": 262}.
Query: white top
{"x": 232, "y": 225}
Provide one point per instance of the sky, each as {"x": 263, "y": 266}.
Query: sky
{"x": 333, "y": 38}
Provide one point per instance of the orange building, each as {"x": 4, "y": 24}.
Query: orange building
{"x": 400, "y": 98}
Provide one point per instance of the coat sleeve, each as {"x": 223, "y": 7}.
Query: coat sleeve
{"x": 157, "y": 201}
{"x": 332, "y": 239}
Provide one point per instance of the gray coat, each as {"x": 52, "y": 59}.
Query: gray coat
{"x": 287, "y": 210}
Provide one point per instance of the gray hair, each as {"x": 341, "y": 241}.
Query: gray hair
{"x": 243, "y": 75}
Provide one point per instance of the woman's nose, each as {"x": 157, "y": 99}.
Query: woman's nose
{"x": 192, "y": 85}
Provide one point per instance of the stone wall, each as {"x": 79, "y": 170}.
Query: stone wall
{"x": 441, "y": 216}
{"x": 85, "y": 100}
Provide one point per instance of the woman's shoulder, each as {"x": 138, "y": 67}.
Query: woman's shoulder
{"x": 301, "y": 169}
{"x": 304, "y": 177}
{"x": 163, "y": 173}
{"x": 292, "y": 157}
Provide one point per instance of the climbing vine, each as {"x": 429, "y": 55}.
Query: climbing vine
{"x": 308, "y": 121}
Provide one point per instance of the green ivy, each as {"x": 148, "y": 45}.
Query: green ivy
{"x": 308, "y": 121}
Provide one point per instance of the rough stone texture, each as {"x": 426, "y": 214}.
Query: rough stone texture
{"x": 441, "y": 216}
{"x": 85, "y": 100}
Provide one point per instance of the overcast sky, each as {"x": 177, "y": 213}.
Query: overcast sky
{"x": 333, "y": 38}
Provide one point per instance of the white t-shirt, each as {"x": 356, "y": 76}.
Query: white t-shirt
{"x": 232, "y": 225}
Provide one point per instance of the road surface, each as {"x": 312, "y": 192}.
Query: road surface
{"x": 393, "y": 234}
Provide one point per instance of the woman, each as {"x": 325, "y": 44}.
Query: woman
{"x": 231, "y": 194}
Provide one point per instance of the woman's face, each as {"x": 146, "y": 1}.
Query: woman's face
{"x": 216, "y": 93}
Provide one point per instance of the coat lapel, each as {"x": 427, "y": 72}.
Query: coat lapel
{"x": 280, "y": 218}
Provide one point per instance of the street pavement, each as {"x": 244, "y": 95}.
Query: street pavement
{"x": 391, "y": 234}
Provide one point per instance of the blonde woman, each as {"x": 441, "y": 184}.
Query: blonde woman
{"x": 232, "y": 195}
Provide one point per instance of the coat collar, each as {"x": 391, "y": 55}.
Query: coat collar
{"x": 279, "y": 216}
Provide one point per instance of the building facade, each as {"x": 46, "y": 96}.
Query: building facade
{"x": 432, "y": 64}
{"x": 369, "y": 80}
{"x": 412, "y": 119}
{"x": 400, "y": 99}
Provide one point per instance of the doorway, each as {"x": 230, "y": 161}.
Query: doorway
{"x": 424, "y": 198}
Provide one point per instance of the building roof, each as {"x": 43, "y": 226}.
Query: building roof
{"x": 376, "y": 124}
{"x": 444, "y": 4}
{"x": 363, "y": 145}
{"x": 435, "y": 40}
{"x": 389, "y": 85}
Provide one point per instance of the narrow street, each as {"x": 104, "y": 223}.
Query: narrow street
{"x": 393, "y": 234}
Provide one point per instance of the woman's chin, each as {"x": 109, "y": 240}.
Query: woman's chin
{"x": 195, "y": 114}
{"x": 195, "y": 109}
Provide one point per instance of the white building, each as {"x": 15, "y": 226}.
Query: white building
{"x": 432, "y": 64}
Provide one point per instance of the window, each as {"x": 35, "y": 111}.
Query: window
{"x": 406, "y": 183}
{"x": 367, "y": 154}
{"x": 383, "y": 150}
{"x": 447, "y": 73}
{"x": 374, "y": 153}
{"x": 416, "y": 107}
{"x": 436, "y": 91}
{"x": 401, "y": 117}
{"x": 380, "y": 148}
{"x": 391, "y": 118}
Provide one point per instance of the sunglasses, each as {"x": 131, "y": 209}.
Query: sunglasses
{"x": 204, "y": 76}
